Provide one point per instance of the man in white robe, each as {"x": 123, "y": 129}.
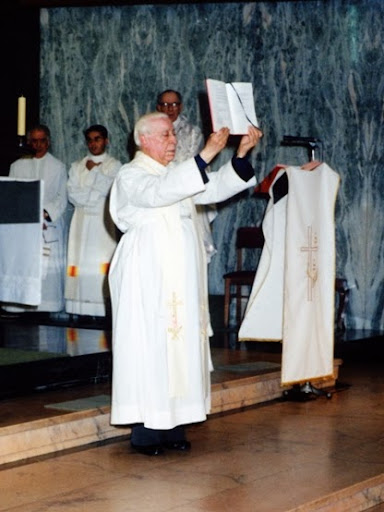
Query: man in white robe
{"x": 92, "y": 235}
{"x": 189, "y": 142}
{"x": 43, "y": 166}
{"x": 158, "y": 281}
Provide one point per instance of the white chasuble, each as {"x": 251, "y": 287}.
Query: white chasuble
{"x": 263, "y": 319}
{"x": 292, "y": 298}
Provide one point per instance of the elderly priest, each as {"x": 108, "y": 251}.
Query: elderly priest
{"x": 158, "y": 281}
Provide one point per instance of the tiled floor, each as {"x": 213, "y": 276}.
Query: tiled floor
{"x": 323, "y": 455}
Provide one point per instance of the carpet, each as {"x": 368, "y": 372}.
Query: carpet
{"x": 252, "y": 367}
{"x": 82, "y": 404}
{"x": 10, "y": 356}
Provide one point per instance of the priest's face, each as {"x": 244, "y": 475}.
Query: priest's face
{"x": 160, "y": 142}
{"x": 170, "y": 105}
{"x": 96, "y": 143}
{"x": 39, "y": 142}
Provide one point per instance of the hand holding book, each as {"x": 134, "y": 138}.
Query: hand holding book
{"x": 249, "y": 141}
{"x": 215, "y": 143}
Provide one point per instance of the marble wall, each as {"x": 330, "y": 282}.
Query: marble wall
{"x": 317, "y": 69}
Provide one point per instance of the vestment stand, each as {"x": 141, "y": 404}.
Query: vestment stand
{"x": 306, "y": 391}
{"x": 310, "y": 143}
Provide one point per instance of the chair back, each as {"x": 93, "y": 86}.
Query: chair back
{"x": 248, "y": 237}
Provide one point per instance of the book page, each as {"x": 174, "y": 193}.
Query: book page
{"x": 218, "y": 104}
{"x": 241, "y": 106}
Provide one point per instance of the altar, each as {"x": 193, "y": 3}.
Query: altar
{"x": 21, "y": 261}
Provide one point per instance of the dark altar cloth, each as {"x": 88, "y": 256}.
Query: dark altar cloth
{"x": 21, "y": 242}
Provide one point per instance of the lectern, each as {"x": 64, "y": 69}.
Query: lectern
{"x": 21, "y": 242}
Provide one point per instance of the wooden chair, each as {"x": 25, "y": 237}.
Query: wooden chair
{"x": 342, "y": 290}
{"x": 249, "y": 237}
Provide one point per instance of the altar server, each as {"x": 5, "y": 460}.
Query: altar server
{"x": 92, "y": 235}
{"x": 158, "y": 279}
{"x": 44, "y": 166}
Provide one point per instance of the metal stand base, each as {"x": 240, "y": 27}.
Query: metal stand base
{"x": 304, "y": 392}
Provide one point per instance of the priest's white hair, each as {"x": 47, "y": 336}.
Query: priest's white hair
{"x": 144, "y": 125}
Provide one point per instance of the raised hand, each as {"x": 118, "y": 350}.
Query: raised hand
{"x": 215, "y": 143}
{"x": 249, "y": 141}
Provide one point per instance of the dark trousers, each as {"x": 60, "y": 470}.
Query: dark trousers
{"x": 142, "y": 436}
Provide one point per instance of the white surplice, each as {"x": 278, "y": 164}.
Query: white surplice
{"x": 54, "y": 175}
{"x": 292, "y": 298}
{"x": 92, "y": 236}
{"x": 158, "y": 282}
{"x": 190, "y": 141}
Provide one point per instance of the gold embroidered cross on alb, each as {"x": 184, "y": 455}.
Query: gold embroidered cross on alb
{"x": 175, "y": 329}
{"x": 312, "y": 271}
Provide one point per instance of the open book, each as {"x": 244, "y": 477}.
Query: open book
{"x": 231, "y": 105}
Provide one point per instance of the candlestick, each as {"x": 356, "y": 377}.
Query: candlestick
{"x": 21, "y": 111}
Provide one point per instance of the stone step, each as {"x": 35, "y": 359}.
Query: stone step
{"x": 24, "y": 441}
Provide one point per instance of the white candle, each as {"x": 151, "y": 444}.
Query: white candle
{"x": 21, "y": 110}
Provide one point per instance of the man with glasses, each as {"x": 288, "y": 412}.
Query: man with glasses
{"x": 189, "y": 142}
{"x": 189, "y": 137}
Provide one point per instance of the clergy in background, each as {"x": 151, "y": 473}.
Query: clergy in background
{"x": 158, "y": 281}
{"x": 190, "y": 141}
{"x": 92, "y": 235}
{"x": 44, "y": 166}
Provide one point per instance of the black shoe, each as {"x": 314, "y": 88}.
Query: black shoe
{"x": 181, "y": 446}
{"x": 148, "y": 449}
